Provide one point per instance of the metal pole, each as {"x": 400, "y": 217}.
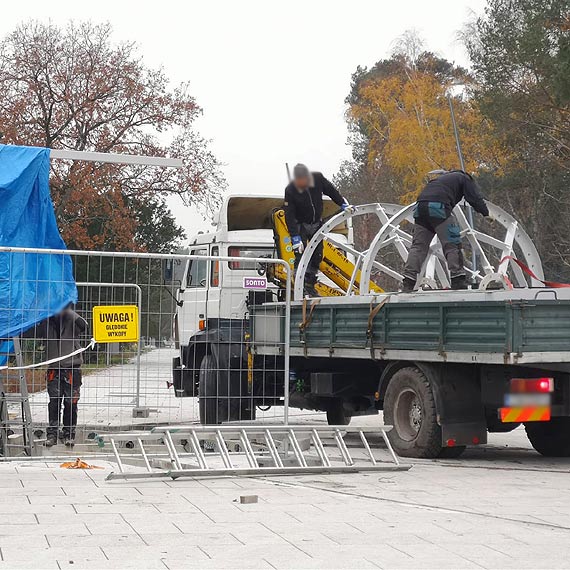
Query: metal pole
{"x": 470, "y": 217}
{"x": 138, "y": 388}
{"x": 25, "y": 408}
{"x": 115, "y": 158}
{"x": 287, "y": 335}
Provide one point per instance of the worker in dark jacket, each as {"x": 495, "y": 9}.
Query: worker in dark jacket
{"x": 62, "y": 334}
{"x": 433, "y": 215}
{"x": 303, "y": 215}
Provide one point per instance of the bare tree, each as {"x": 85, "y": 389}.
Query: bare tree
{"x": 73, "y": 88}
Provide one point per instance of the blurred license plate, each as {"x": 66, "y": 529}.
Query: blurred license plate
{"x": 526, "y": 400}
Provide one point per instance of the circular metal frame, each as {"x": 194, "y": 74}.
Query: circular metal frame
{"x": 383, "y": 215}
{"x": 434, "y": 270}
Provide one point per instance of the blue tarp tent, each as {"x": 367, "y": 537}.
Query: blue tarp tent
{"x": 32, "y": 286}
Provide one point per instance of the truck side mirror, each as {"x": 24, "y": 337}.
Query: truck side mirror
{"x": 173, "y": 271}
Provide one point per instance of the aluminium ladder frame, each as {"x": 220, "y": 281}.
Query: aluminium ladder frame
{"x": 28, "y": 445}
{"x": 291, "y": 461}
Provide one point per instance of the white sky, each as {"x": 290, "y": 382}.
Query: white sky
{"x": 270, "y": 75}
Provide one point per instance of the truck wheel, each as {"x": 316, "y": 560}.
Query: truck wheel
{"x": 551, "y": 439}
{"x": 336, "y": 414}
{"x": 209, "y": 401}
{"x": 409, "y": 406}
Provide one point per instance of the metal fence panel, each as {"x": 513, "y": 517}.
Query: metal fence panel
{"x": 192, "y": 361}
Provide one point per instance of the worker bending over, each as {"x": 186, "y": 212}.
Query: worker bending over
{"x": 433, "y": 215}
{"x": 303, "y": 215}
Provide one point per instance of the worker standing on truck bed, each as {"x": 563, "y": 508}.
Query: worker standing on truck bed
{"x": 433, "y": 215}
{"x": 303, "y": 215}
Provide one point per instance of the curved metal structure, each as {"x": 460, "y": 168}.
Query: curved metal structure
{"x": 378, "y": 210}
{"x": 392, "y": 237}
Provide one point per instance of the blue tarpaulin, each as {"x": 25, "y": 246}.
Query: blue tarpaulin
{"x": 32, "y": 286}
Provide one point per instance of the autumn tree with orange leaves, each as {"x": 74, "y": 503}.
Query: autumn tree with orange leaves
{"x": 401, "y": 124}
{"x": 400, "y": 129}
{"x": 73, "y": 88}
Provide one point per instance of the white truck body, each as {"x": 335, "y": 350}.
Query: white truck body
{"x": 215, "y": 289}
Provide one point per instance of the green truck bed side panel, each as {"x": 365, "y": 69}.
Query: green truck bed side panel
{"x": 489, "y": 327}
{"x": 544, "y": 327}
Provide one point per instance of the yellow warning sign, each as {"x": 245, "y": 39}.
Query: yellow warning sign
{"x": 116, "y": 323}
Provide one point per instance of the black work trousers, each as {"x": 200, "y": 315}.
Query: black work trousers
{"x": 307, "y": 231}
{"x": 430, "y": 221}
{"x": 63, "y": 386}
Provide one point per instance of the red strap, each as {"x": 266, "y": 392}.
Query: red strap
{"x": 551, "y": 284}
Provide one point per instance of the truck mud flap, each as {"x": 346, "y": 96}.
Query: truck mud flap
{"x": 463, "y": 433}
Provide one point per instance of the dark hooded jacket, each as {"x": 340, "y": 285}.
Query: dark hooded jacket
{"x": 62, "y": 333}
{"x": 450, "y": 188}
{"x": 306, "y": 207}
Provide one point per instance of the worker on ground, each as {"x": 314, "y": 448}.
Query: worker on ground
{"x": 433, "y": 215}
{"x": 62, "y": 334}
{"x": 303, "y": 215}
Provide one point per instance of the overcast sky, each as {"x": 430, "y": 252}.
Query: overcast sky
{"x": 271, "y": 76}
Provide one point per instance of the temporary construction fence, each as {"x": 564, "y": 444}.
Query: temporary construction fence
{"x": 158, "y": 326}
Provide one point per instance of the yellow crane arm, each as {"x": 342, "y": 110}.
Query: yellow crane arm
{"x": 334, "y": 265}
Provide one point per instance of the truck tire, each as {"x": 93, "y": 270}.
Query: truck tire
{"x": 551, "y": 439}
{"x": 219, "y": 397}
{"x": 209, "y": 401}
{"x": 409, "y": 406}
{"x": 336, "y": 414}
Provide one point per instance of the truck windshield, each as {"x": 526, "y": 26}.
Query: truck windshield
{"x": 198, "y": 270}
{"x": 245, "y": 252}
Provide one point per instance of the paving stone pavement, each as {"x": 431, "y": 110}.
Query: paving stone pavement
{"x": 498, "y": 507}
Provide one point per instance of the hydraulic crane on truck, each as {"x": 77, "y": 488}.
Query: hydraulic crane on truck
{"x": 335, "y": 265}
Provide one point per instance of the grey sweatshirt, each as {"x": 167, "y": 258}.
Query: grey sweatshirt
{"x": 62, "y": 334}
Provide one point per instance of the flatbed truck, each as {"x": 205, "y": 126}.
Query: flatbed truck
{"x": 445, "y": 367}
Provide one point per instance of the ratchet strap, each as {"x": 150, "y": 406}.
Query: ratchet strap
{"x": 374, "y": 310}
{"x": 530, "y": 273}
{"x": 307, "y": 318}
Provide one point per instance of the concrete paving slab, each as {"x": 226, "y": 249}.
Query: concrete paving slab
{"x": 503, "y": 507}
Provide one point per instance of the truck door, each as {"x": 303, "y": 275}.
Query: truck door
{"x": 195, "y": 295}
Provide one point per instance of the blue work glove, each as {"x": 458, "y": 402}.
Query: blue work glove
{"x": 298, "y": 246}
{"x": 347, "y": 206}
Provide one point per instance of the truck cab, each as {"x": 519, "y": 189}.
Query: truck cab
{"x": 213, "y": 294}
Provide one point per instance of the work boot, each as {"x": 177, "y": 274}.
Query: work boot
{"x": 69, "y": 441}
{"x": 459, "y": 282}
{"x": 51, "y": 440}
{"x": 408, "y": 285}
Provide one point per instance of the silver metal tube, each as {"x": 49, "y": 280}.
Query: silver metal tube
{"x": 297, "y": 449}
{"x": 117, "y": 456}
{"x": 258, "y": 472}
{"x": 317, "y": 442}
{"x": 390, "y": 448}
{"x": 469, "y": 209}
{"x": 116, "y": 158}
{"x": 200, "y": 457}
{"x": 248, "y": 449}
{"x": 286, "y": 348}
{"x": 172, "y": 450}
{"x": 223, "y": 450}
{"x": 273, "y": 449}
{"x": 342, "y": 447}
{"x": 143, "y": 452}
{"x": 367, "y": 447}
